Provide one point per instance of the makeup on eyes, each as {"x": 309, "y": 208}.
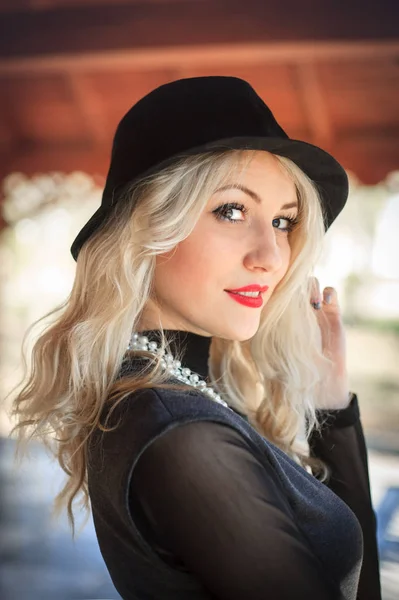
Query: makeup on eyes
{"x": 220, "y": 211}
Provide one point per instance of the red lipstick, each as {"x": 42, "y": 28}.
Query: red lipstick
{"x": 254, "y": 301}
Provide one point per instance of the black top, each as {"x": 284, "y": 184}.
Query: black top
{"x": 210, "y": 506}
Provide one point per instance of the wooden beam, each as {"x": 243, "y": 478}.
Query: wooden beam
{"x": 178, "y": 58}
{"x": 114, "y": 27}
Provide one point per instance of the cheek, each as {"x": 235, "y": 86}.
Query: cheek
{"x": 185, "y": 268}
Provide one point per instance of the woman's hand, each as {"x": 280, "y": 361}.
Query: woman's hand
{"x": 335, "y": 388}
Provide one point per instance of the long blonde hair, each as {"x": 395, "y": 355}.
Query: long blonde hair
{"x": 75, "y": 364}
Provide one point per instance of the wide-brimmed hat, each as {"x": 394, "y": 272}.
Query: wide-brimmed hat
{"x": 198, "y": 114}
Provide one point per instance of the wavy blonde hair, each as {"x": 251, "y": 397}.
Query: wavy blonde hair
{"x": 76, "y": 364}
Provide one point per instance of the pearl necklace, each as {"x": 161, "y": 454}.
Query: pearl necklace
{"x": 174, "y": 367}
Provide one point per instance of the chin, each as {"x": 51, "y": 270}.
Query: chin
{"x": 243, "y": 334}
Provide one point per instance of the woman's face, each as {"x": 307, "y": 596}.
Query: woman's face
{"x": 248, "y": 244}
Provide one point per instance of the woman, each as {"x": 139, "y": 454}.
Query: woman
{"x": 196, "y": 379}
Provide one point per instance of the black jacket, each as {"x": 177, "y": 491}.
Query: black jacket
{"x": 190, "y": 501}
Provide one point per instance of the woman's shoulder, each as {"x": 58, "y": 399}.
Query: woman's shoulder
{"x": 147, "y": 413}
{"x": 165, "y": 406}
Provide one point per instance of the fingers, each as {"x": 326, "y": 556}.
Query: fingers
{"x": 328, "y": 298}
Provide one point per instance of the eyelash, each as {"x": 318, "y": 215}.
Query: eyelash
{"x": 234, "y": 205}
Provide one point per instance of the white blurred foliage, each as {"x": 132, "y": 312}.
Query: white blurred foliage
{"x": 44, "y": 213}
{"x": 364, "y": 242}
{"x": 385, "y": 259}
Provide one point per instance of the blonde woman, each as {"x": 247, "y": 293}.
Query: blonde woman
{"x": 194, "y": 387}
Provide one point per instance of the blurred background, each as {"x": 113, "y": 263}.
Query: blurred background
{"x": 69, "y": 70}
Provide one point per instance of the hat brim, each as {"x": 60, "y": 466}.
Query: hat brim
{"x": 323, "y": 169}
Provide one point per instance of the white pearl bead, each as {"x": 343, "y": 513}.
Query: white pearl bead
{"x": 186, "y": 371}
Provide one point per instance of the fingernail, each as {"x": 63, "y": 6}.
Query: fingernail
{"x": 328, "y": 298}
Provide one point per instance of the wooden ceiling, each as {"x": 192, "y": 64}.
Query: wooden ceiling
{"x": 70, "y": 69}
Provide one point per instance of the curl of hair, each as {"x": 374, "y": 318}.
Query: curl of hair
{"x": 76, "y": 363}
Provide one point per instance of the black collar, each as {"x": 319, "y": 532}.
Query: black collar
{"x": 195, "y": 347}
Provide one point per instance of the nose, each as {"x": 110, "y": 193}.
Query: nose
{"x": 266, "y": 250}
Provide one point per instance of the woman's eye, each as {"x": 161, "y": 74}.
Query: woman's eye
{"x": 223, "y": 212}
{"x": 226, "y": 213}
{"x": 291, "y": 220}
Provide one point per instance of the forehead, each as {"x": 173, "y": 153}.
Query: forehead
{"x": 262, "y": 173}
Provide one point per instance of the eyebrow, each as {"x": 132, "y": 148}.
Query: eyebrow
{"x": 252, "y": 194}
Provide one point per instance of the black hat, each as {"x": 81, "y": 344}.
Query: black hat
{"x": 198, "y": 114}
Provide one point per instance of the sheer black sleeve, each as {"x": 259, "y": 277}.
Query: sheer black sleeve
{"x": 342, "y": 447}
{"x": 210, "y": 502}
